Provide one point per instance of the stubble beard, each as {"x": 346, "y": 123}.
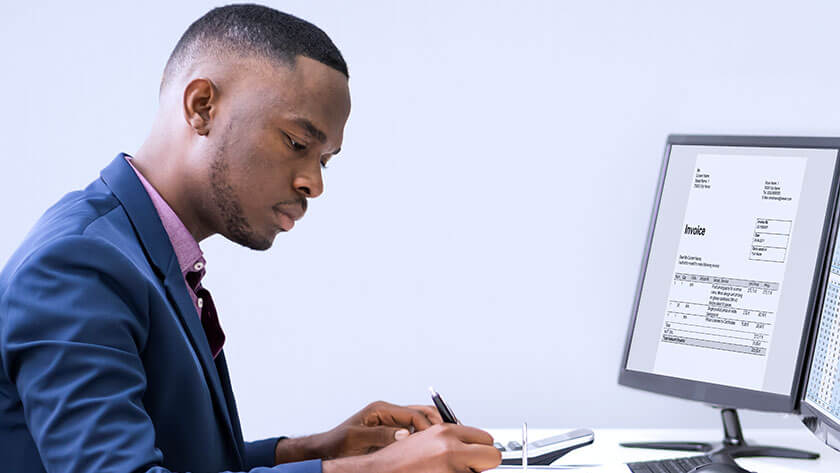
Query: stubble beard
{"x": 237, "y": 228}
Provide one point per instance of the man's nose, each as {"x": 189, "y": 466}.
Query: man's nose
{"x": 309, "y": 184}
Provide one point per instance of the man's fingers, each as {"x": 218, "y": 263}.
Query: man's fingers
{"x": 380, "y": 436}
{"x": 430, "y": 412}
{"x": 472, "y": 435}
{"x": 398, "y": 416}
{"x": 481, "y": 457}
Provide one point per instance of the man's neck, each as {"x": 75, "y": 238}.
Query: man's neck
{"x": 163, "y": 169}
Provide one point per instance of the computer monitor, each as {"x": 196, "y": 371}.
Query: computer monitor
{"x": 821, "y": 400}
{"x": 730, "y": 274}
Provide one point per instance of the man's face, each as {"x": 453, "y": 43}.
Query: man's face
{"x": 275, "y": 129}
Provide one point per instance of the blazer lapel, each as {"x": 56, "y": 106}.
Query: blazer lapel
{"x": 176, "y": 289}
{"x": 123, "y": 182}
{"x": 221, "y": 365}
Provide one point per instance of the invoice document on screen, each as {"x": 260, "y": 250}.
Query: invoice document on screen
{"x": 730, "y": 267}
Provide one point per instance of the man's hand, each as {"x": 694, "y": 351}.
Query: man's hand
{"x": 374, "y": 427}
{"x": 444, "y": 448}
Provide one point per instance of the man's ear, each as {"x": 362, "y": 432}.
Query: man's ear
{"x": 200, "y": 104}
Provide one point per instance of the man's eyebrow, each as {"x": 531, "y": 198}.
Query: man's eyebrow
{"x": 311, "y": 129}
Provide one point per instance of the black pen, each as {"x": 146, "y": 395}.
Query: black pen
{"x": 445, "y": 412}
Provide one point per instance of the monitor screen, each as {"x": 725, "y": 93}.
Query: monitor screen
{"x": 737, "y": 238}
{"x": 823, "y": 385}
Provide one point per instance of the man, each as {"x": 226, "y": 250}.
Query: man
{"x": 111, "y": 347}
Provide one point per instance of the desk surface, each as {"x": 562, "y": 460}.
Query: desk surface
{"x": 606, "y": 449}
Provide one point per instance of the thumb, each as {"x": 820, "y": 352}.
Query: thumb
{"x": 401, "y": 434}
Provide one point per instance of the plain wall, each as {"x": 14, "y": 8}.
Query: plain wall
{"x": 483, "y": 226}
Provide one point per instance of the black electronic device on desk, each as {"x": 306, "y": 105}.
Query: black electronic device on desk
{"x": 539, "y": 452}
{"x": 718, "y": 463}
{"x": 731, "y": 278}
{"x": 547, "y": 450}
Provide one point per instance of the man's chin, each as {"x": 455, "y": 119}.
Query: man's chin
{"x": 259, "y": 245}
{"x": 251, "y": 240}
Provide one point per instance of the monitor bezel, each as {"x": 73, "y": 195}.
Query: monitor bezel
{"x": 716, "y": 394}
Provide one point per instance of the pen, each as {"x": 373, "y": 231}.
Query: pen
{"x": 445, "y": 412}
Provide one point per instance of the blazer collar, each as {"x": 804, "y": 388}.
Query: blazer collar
{"x": 128, "y": 189}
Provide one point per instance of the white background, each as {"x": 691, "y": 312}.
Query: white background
{"x": 482, "y": 229}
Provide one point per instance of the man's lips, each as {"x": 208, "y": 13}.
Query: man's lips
{"x": 286, "y": 216}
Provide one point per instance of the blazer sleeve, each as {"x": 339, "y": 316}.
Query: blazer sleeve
{"x": 261, "y": 452}
{"x": 72, "y": 327}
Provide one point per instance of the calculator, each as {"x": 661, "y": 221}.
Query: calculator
{"x": 545, "y": 451}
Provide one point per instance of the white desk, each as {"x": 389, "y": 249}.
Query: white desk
{"x": 606, "y": 449}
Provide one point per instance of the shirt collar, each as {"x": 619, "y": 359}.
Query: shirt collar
{"x": 189, "y": 254}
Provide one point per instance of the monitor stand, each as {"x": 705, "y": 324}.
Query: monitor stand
{"x": 733, "y": 444}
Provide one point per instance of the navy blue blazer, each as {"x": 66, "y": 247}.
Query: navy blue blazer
{"x": 105, "y": 366}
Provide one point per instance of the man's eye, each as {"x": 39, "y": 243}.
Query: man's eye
{"x": 297, "y": 146}
{"x": 294, "y": 144}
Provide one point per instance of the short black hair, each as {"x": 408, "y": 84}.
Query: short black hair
{"x": 245, "y": 29}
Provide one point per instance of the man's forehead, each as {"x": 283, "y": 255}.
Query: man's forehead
{"x": 308, "y": 95}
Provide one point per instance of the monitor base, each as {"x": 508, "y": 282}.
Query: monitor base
{"x": 733, "y": 444}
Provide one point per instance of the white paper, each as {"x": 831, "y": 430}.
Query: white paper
{"x": 729, "y": 270}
